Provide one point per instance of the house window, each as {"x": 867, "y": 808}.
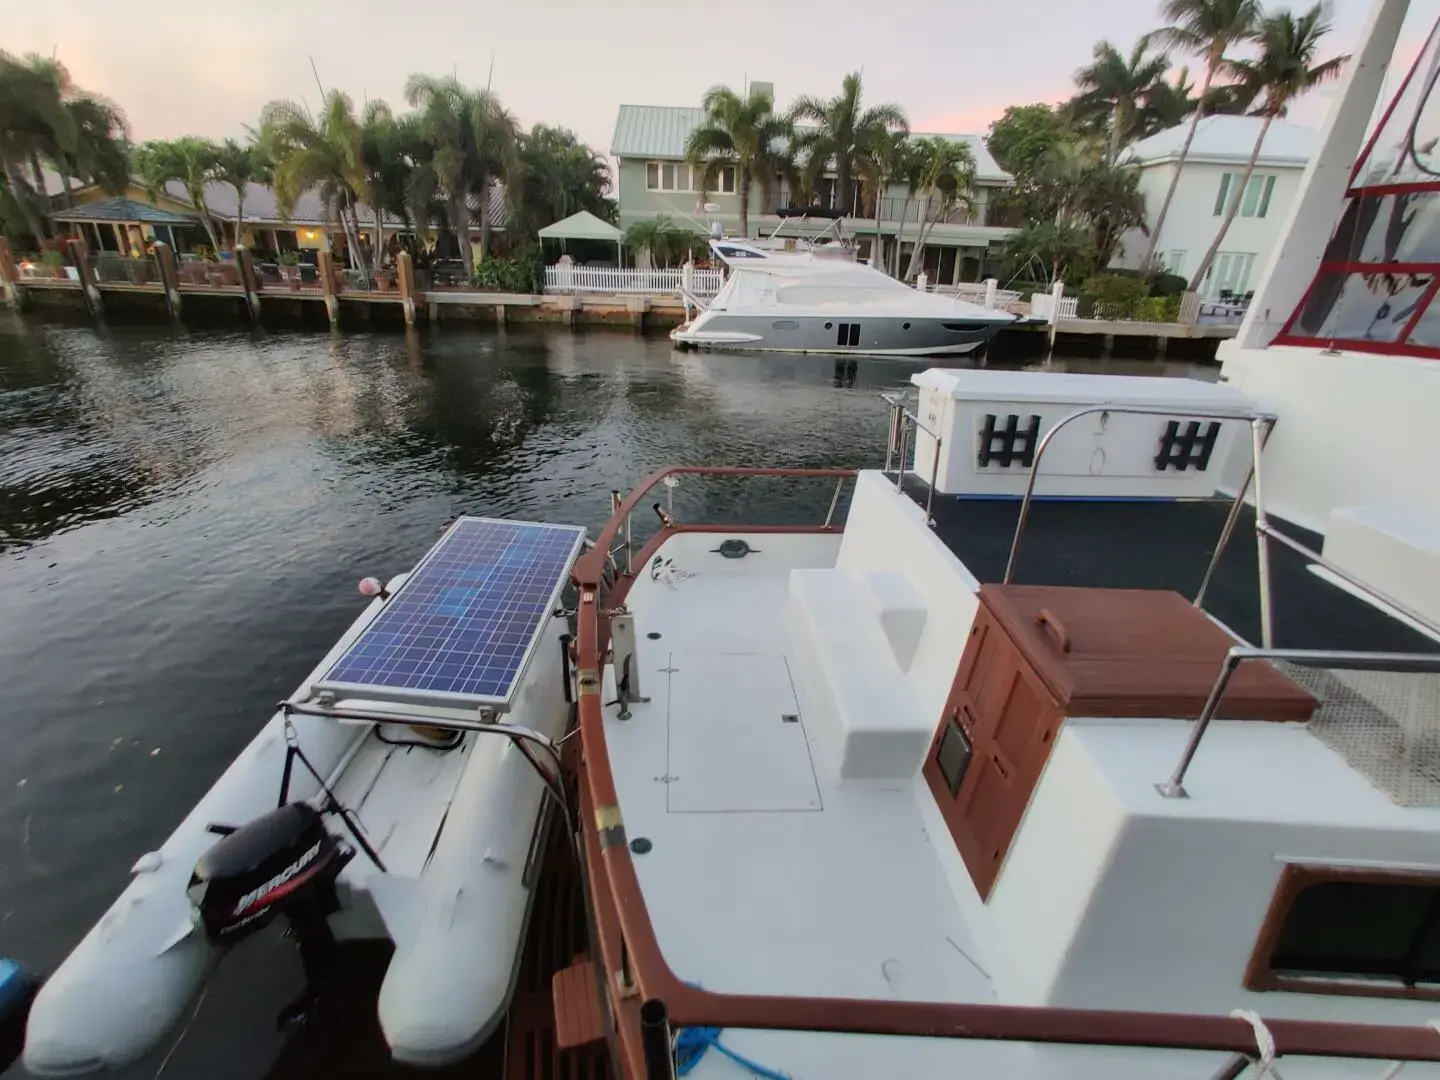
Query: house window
{"x": 1342, "y": 931}
{"x": 1256, "y": 200}
{"x": 667, "y": 176}
{"x": 1229, "y": 273}
{"x": 1257, "y": 196}
{"x": 726, "y": 181}
{"x": 1174, "y": 260}
{"x": 1226, "y": 179}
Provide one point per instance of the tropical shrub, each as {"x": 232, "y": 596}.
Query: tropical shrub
{"x": 519, "y": 273}
{"x": 1158, "y": 309}
{"x": 1116, "y": 295}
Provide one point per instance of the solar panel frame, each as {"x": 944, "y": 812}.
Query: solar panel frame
{"x": 415, "y": 614}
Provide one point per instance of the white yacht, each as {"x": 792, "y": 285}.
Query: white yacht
{"x": 811, "y": 300}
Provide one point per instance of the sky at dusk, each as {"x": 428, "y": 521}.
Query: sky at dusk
{"x": 207, "y": 68}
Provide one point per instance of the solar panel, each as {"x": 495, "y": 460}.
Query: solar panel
{"x": 463, "y": 626}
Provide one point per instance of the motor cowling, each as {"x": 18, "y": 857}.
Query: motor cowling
{"x": 281, "y": 862}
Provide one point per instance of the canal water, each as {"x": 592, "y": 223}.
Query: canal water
{"x": 183, "y": 519}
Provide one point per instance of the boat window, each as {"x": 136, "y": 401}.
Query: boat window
{"x": 1342, "y": 931}
{"x": 1377, "y": 283}
{"x": 957, "y": 327}
{"x": 785, "y": 324}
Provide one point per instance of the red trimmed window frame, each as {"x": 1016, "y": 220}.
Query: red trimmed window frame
{"x": 1400, "y": 346}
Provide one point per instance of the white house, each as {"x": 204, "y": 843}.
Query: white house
{"x": 1212, "y": 170}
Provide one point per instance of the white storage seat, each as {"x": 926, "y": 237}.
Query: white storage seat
{"x": 853, "y": 637}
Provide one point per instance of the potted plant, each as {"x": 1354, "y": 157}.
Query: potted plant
{"x": 290, "y": 267}
{"x": 55, "y": 261}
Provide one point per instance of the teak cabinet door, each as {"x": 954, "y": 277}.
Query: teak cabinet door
{"x": 1010, "y": 720}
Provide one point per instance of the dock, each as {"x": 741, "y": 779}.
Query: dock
{"x": 158, "y": 286}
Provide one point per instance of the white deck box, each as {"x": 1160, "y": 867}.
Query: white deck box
{"x": 991, "y": 423}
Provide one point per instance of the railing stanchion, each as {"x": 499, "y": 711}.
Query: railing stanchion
{"x": 1174, "y": 788}
{"x": 1234, "y": 1068}
{"x": 656, "y": 1042}
{"x": 934, "y": 475}
{"x": 1225, "y": 533}
{"x": 1259, "y": 434}
{"x": 629, "y": 520}
{"x": 834, "y": 502}
{"x": 904, "y": 451}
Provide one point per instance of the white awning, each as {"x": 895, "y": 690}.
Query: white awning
{"x": 582, "y": 226}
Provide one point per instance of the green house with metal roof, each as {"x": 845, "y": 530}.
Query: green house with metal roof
{"x": 653, "y": 179}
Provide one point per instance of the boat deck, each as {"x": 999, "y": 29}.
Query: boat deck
{"x": 1168, "y": 545}
{"x": 763, "y": 872}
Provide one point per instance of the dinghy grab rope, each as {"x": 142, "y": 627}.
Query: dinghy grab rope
{"x": 332, "y": 804}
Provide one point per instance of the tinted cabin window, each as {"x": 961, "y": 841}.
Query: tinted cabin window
{"x": 1357, "y": 933}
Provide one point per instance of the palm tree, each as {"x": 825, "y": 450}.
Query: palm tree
{"x": 842, "y": 128}
{"x": 189, "y": 160}
{"x": 101, "y": 153}
{"x": 239, "y": 166}
{"x": 1113, "y": 87}
{"x": 1208, "y": 29}
{"x": 1167, "y": 105}
{"x": 474, "y": 144}
{"x": 559, "y": 175}
{"x": 883, "y": 159}
{"x": 947, "y": 176}
{"x": 323, "y": 156}
{"x": 390, "y": 147}
{"x": 1284, "y": 71}
{"x": 665, "y": 242}
{"x": 743, "y": 134}
{"x": 33, "y": 119}
{"x": 1057, "y": 247}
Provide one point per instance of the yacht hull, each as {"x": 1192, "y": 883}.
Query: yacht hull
{"x": 836, "y": 335}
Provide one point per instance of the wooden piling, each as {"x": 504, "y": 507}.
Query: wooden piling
{"x": 326, "y": 266}
{"x": 10, "y": 286}
{"x": 80, "y": 256}
{"x": 249, "y": 280}
{"x": 169, "y": 278}
{"x": 405, "y": 283}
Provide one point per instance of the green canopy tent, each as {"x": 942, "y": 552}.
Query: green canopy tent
{"x": 585, "y": 226}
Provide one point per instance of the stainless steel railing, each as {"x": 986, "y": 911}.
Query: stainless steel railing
{"x": 903, "y": 425}
{"x": 1428, "y": 663}
{"x": 1261, "y": 424}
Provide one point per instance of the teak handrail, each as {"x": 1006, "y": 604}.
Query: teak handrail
{"x": 640, "y": 973}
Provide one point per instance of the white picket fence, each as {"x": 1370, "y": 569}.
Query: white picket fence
{"x": 607, "y": 279}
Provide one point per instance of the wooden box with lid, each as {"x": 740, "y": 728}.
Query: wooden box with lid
{"x": 1039, "y": 654}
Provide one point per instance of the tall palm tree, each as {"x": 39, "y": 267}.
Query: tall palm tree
{"x": 189, "y": 160}
{"x": 1284, "y": 71}
{"x": 239, "y": 166}
{"x": 743, "y": 133}
{"x": 841, "y": 130}
{"x": 33, "y": 119}
{"x": 1167, "y": 105}
{"x": 1208, "y": 29}
{"x": 474, "y": 144}
{"x": 390, "y": 147}
{"x": 101, "y": 153}
{"x": 1114, "y": 86}
{"x": 323, "y": 155}
{"x": 947, "y": 178}
{"x": 882, "y": 160}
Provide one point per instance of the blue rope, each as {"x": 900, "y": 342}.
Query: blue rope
{"x": 691, "y": 1044}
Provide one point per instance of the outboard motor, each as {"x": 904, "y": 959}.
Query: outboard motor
{"x": 284, "y": 862}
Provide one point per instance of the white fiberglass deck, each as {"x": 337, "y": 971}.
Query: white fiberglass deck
{"x": 767, "y": 874}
